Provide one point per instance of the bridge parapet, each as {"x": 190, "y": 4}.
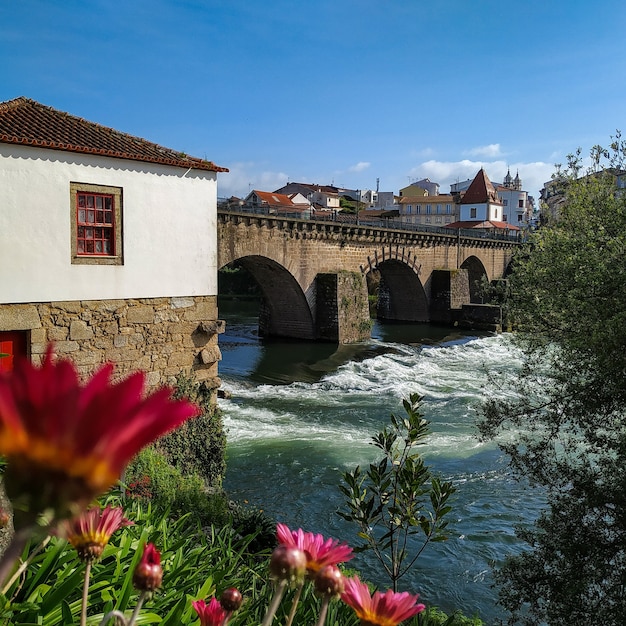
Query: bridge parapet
{"x": 379, "y": 230}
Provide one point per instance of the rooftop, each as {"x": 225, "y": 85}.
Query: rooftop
{"x": 29, "y": 123}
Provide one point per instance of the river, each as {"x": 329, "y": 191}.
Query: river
{"x": 301, "y": 414}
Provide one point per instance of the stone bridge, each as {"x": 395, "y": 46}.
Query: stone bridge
{"x": 314, "y": 275}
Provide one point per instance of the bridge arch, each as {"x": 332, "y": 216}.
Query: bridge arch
{"x": 284, "y": 309}
{"x": 401, "y": 295}
{"x": 475, "y": 273}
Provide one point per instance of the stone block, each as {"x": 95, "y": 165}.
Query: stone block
{"x": 203, "y": 311}
{"x": 19, "y": 317}
{"x": 80, "y": 331}
{"x": 180, "y": 359}
{"x": 65, "y": 347}
{"x": 69, "y": 306}
{"x": 210, "y": 354}
{"x": 38, "y": 335}
{"x": 153, "y": 379}
{"x": 58, "y": 333}
{"x": 119, "y": 341}
{"x": 182, "y": 303}
{"x": 140, "y": 315}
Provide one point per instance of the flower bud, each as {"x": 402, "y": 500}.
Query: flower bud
{"x": 148, "y": 574}
{"x": 329, "y": 582}
{"x": 231, "y": 599}
{"x": 288, "y": 564}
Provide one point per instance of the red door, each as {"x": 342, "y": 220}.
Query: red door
{"x": 12, "y": 344}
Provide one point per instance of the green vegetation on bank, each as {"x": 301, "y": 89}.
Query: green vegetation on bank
{"x": 566, "y": 428}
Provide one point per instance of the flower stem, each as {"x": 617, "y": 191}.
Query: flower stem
{"x": 133, "y": 617}
{"x": 294, "y": 604}
{"x": 271, "y": 611}
{"x": 118, "y": 616}
{"x": 323, "y": 610}
{"x": 13, "y": 552}
{"x": 18, "y": 572}
{"x": 83, "y": 611}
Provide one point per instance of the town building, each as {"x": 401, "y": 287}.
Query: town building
{"x": 108, "y": 247}
{"x": 272, "y": 203}
{"x": 432, "y": 210}
{"x": 481, "y": 207}
{"x": 418, "y": 188}
{"x": 517, "y": 205}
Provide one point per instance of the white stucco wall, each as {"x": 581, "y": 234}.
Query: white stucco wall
{"x": 169, "y": 228}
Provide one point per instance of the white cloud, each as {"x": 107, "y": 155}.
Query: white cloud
{"x": 359, "y": 167}
{"x": 533, "y": 175}
{"x": 244, "y": 176}
{"x": 490, "y": 151}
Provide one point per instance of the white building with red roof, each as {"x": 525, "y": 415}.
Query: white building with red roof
{"x": 481, "y": 207}
{"x": 108, "y": 245}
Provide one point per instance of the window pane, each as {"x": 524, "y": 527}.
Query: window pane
{"x": 91, "y": 217}
{"x": 88, "y": 233}
{"x": 81, "y": 232}
{"x": 90, "y": 202}
{"x": 108, "y": 204}
{"x": 98, "y": 248}
{"x": 89, "y": 247}
{"x": 81, "y": 215}
{"x": 81, "y": 246}
{"x": 98, "y": 202}
{"x": 107, "y": 246}
{"x": 100, "y": 217}
{"x": 81, "y": 201}
{"x": 108, "y": 217}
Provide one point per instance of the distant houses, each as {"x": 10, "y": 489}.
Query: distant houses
{"x": 475, "y": 203}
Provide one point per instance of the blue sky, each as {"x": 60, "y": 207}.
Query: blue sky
{"x": 332, "y": 91}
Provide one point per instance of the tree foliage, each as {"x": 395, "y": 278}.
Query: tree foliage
{"x": 397, "y": 498}
{"x": 567, "y": 299}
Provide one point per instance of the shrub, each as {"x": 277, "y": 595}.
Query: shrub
{"x": 199, "y": 445}
{"x": 149, "y": 477}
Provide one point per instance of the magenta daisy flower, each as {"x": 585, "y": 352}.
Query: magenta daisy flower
{"x": 380, "y": 609}
{"x": 89, "y": 532}
{"x": 66, "y": 442}
{"x": 211, "y": 614}
{"x": 319, "y": 551}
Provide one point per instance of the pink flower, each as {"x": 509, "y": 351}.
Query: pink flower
{"x": 211, "y": 614}
{"x": 148, "y": 574}
{"x": 67, "y": 442}
{"x": 381, "y": 609}
{"x": 90, "y": 532}
{"x": 319, "y": 552}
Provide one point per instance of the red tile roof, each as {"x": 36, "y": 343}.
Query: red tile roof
{"x": 26, "y": 122}
{"x": 273, "y": 199}
{"x": 481, "y": 191}
{"x": 488, "y": 224}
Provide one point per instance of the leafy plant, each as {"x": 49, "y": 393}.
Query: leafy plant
{"x": 397, "y": 498}
{"x": 199, "y": 445}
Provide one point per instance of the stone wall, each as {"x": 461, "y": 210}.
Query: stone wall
{"x": 162, "y": 336}
{"x": 342, "y": 307}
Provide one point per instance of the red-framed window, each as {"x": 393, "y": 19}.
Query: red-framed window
{"x": 12, "y": 345}
{"x": 95, "y": 224}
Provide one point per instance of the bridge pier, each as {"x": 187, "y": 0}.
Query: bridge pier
{"x": 342, "y": 310}
{"x": 449, "y": 291}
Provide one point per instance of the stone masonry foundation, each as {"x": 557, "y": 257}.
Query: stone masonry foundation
{"x": 162, "y": 336}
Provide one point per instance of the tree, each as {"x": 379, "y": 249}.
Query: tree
{"x": 397, "y": 498}
{"x": 567, "y": 299}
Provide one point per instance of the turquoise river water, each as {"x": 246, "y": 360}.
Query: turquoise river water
{"x": 301, "y": 414}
